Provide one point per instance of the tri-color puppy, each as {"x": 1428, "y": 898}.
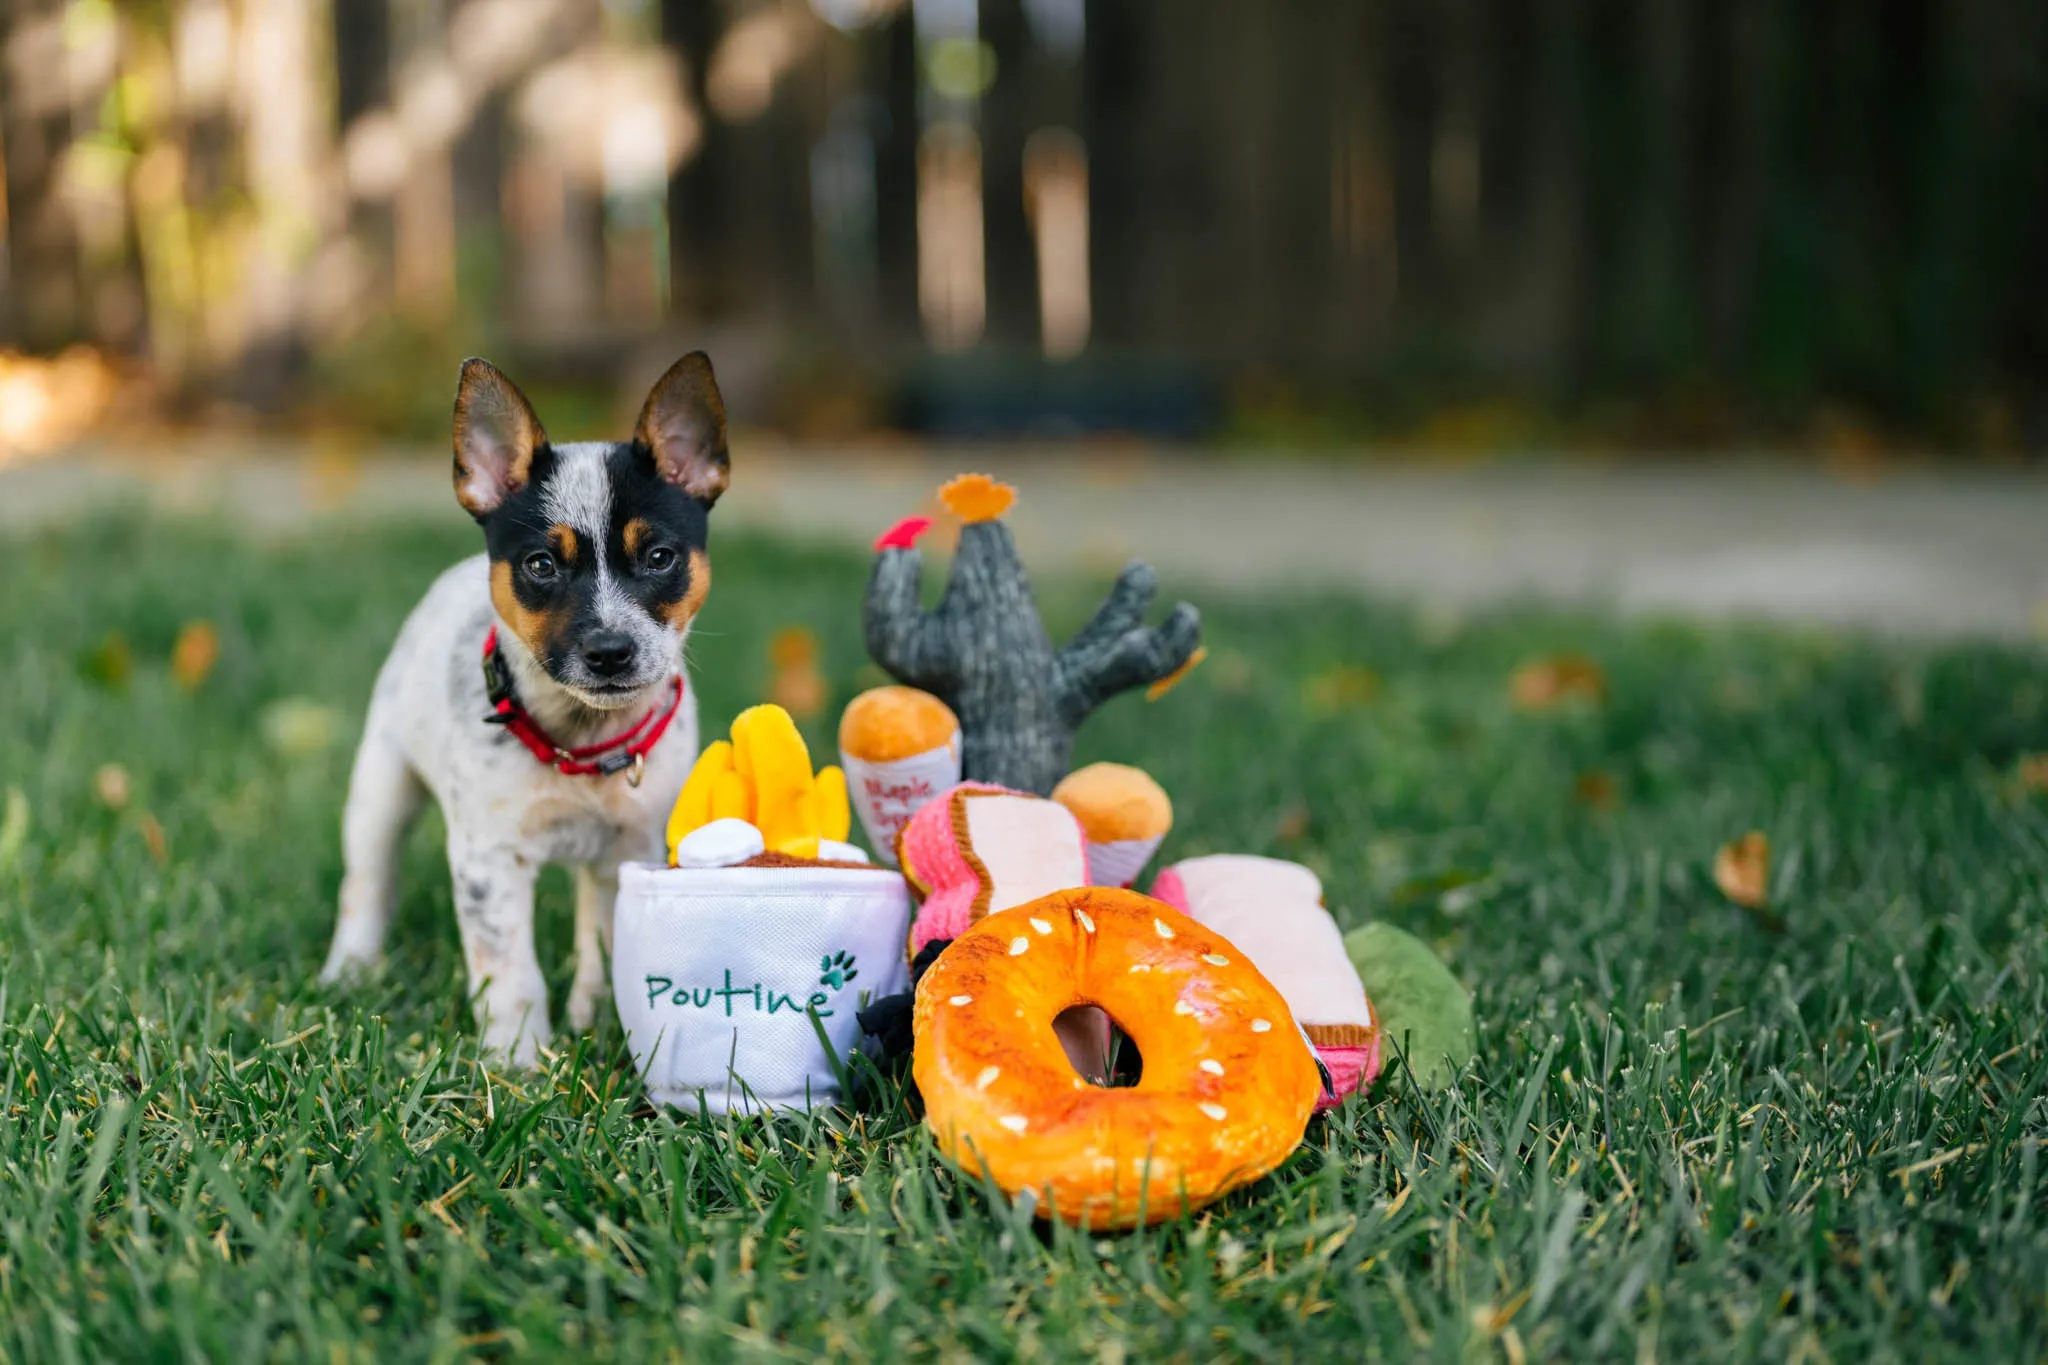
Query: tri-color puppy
{"x": 594, "y": 566}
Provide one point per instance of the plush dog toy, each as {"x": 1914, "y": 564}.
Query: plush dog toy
{"x": 1273, "y": 910}
{"x": 973, "y": 852}
{"x": 899, "y": 748}
{"x": 984, "y": 651}
{"x": 1422, "y": 1007}
{"x": 762, "y": 775}
{"x": 978, "y": 849}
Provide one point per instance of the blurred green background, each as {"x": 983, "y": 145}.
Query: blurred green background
{"x": 1450, "y": 224}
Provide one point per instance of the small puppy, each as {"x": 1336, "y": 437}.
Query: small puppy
{"x": 537, "y": 692}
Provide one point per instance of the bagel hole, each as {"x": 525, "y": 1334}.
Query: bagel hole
{"x": 1097, "y": 1047}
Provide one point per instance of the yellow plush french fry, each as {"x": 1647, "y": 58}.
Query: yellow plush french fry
{"x": 693, "y": 807}
{"x": 765, "y": 739}
{"x": 732, "y": 798}
{"x": 768, "y": 749}
{"x": 835, "y": 815}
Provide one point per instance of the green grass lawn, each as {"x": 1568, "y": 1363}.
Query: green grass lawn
{"x": 1693, "y": 1131}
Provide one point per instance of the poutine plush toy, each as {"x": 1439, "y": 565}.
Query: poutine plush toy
{"x": 984, "y": 651}
{"x": 762, "y": 776}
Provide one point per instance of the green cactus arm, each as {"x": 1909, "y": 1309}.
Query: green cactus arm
{"x": 1122, "y": 611}
{"x": 901, "y": 636}
{"x": 1084, "y": 678}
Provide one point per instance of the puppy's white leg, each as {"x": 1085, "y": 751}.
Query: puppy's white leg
{"x": 597, "y": 888}
{"x": 384, "y": 795}
{"x": 494, "y": 910}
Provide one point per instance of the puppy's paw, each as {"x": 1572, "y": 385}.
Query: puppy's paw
{"x": 515, "y": 1032}
{"x": 346, "y": 963}
{"x": 517, "y": 1049}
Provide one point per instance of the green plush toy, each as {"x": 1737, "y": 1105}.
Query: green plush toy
{"x": 1422, "y": 1008}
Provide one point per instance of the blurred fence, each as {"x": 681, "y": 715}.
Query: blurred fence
{"x": 988, "y": 214}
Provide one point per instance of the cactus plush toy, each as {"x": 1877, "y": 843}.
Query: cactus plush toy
{"x": 984, "y": 651}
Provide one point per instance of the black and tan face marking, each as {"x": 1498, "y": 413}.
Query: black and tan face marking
{"x": 597, "y": 549}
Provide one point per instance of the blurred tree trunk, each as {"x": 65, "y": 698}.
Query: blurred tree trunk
{"x": 894, "y": 60}
{"x": 700, "y": 192}
{"x": 1010, "y": 269}
{"x": 45, "y": 298}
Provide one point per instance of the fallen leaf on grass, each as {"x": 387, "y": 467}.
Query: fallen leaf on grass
{"x": 1231, "y": 674}
{"x": 299, "y": 726}
{"x": 2033, "y": 772}
{"x": 1596, "y": 789}
{"x": 1543, "y": 684}
{"x": 797, "y": 686}
{"x": 1340, "y": 688}
{"x": 13, "y": 827}
{"x": 195, "y": 654}
{"x": 110, "y": 662}
{"x": 110, "y": 784}
{"x": 1743, "y": 870}
{"x": 153, "y": 835}
{"x": 1292, "y": 825}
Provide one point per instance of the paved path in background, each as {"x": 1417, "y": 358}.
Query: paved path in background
{"x": 1914, "y": 551}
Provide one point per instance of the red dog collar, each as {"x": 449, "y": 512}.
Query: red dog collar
{"x": 622, "y": 753}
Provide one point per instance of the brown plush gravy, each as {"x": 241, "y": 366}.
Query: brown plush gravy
{"x": 772, "y": 859}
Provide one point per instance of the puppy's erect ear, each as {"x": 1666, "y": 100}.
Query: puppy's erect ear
{"x": 683, "y": 423}
{"x": 496, "y": 435}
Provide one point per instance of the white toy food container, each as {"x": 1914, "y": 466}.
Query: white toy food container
{"x": 718, "y": 973}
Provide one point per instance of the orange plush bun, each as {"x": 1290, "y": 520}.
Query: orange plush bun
{"x": 1115, "y": 802}
{"x": 888, "y": 723}
{"x": 1227, "y": 1082}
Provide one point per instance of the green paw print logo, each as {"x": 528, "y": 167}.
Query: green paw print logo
{"x": 836, "y": 970}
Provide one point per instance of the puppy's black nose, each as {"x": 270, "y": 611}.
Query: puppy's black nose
{"x": 608, "y": 654}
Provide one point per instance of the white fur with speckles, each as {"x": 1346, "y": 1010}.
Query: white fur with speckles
{"x": 578, "y": 492}
{"x": 506, "y": 813}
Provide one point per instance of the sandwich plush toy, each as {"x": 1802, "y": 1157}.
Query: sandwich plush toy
{"x": 984, "y": 651}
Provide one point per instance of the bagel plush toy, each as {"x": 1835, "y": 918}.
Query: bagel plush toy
{"x": 1274, "y": 911}
{"x": 1227, "y": 1088}
{"x": 899, "y": 748}
{"x": 1124, "y": 814}
{"x": 984, "y": 651}
{"x": 979, "y": 849}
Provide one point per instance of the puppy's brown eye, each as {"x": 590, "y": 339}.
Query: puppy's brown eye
{"x": 660, "y": 559}
{"x": 540, "y": 567}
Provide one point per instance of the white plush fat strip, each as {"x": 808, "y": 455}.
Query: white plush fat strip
{"x": 1273, "y": 911}
{"x": 1031, "y": 847}
{"x": 1117, "y": 862}
{"x": 886, "y": 795}
{"x": 721, "y": 843}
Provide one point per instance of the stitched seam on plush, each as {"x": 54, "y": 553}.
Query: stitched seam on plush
{"x": 965, "y": 841}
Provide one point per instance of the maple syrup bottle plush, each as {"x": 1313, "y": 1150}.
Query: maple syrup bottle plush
{"x": 899, "y": 748}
